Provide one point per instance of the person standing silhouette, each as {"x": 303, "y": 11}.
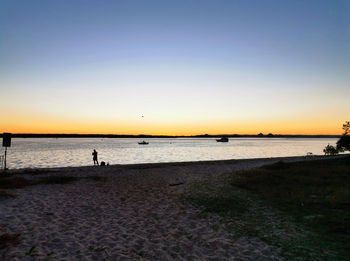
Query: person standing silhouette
{"x": 94, "y": 157}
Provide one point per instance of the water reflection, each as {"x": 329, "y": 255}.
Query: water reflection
{"x": 42, "y": 152}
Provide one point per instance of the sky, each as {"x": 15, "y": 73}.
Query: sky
{"x": 188, "y": 67}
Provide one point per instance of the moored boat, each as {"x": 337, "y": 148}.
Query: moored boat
{"x": 222, "y": 139}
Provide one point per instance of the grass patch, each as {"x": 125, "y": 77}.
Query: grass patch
{"x": 67, "y": 179}
{"x": 13, "y": 182}
{"x": 315, "y": 192}
{"x": 5, "y": 194}
{"x": 303, "y": 208}
{"x": 7, "y": 240}
{"x": 5, "y": 174}
{"x": 225, "y": 205}
{"x": 58, "y": 180}
{"x": 32, "y": 172}
{"x": 97, "y": 178}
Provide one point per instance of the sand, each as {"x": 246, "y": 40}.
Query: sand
{"x": 135, "y": 214}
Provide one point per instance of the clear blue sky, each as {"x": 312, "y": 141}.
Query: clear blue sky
{"x": 188, "y": 66}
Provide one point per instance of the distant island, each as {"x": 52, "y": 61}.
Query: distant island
{"x": 260, "y": 135}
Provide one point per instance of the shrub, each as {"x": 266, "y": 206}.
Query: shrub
{"x": 330, "y": 150}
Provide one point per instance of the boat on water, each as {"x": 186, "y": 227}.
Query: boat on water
{"x": 143, "y": 143}
{"x": 222, "y": 139}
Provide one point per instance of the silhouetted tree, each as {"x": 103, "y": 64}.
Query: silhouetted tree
{"x": 343, "y": 143}
{"x": 346, "y": 127}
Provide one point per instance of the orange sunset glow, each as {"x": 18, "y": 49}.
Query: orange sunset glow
{"x": 42, "y": 123}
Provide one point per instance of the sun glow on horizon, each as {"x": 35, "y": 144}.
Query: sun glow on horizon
{"x": 45, "y": 124}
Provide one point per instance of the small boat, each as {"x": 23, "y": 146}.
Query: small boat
{"x": 223, "y": 139}
{"x": 143, "y": 143}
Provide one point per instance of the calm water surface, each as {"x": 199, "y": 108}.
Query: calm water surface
{"x": 52, "y": 152}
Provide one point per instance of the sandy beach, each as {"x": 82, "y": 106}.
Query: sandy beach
{"x": 133, "y": 213}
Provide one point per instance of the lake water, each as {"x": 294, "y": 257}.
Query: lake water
{"x": 61, "y": 152}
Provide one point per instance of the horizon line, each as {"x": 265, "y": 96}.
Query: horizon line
{"x": 169, "y": 135}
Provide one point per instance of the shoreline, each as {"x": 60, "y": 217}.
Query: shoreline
{"x": 179, "y": 163}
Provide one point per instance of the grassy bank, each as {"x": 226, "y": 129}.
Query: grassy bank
{"x": 9, "y": 182}
{"x": 302, "y": 208}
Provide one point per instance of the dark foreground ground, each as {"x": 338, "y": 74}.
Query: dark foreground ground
{"x": 294, "y": 208}
{"x": 301, "y": 207}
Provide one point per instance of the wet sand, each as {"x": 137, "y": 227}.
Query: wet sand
{"x": 133, "y": 214}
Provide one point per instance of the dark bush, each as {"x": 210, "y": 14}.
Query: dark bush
{"x": 330, "y": 150}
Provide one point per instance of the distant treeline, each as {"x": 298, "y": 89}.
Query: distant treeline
{"x": 31, "y": 135}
